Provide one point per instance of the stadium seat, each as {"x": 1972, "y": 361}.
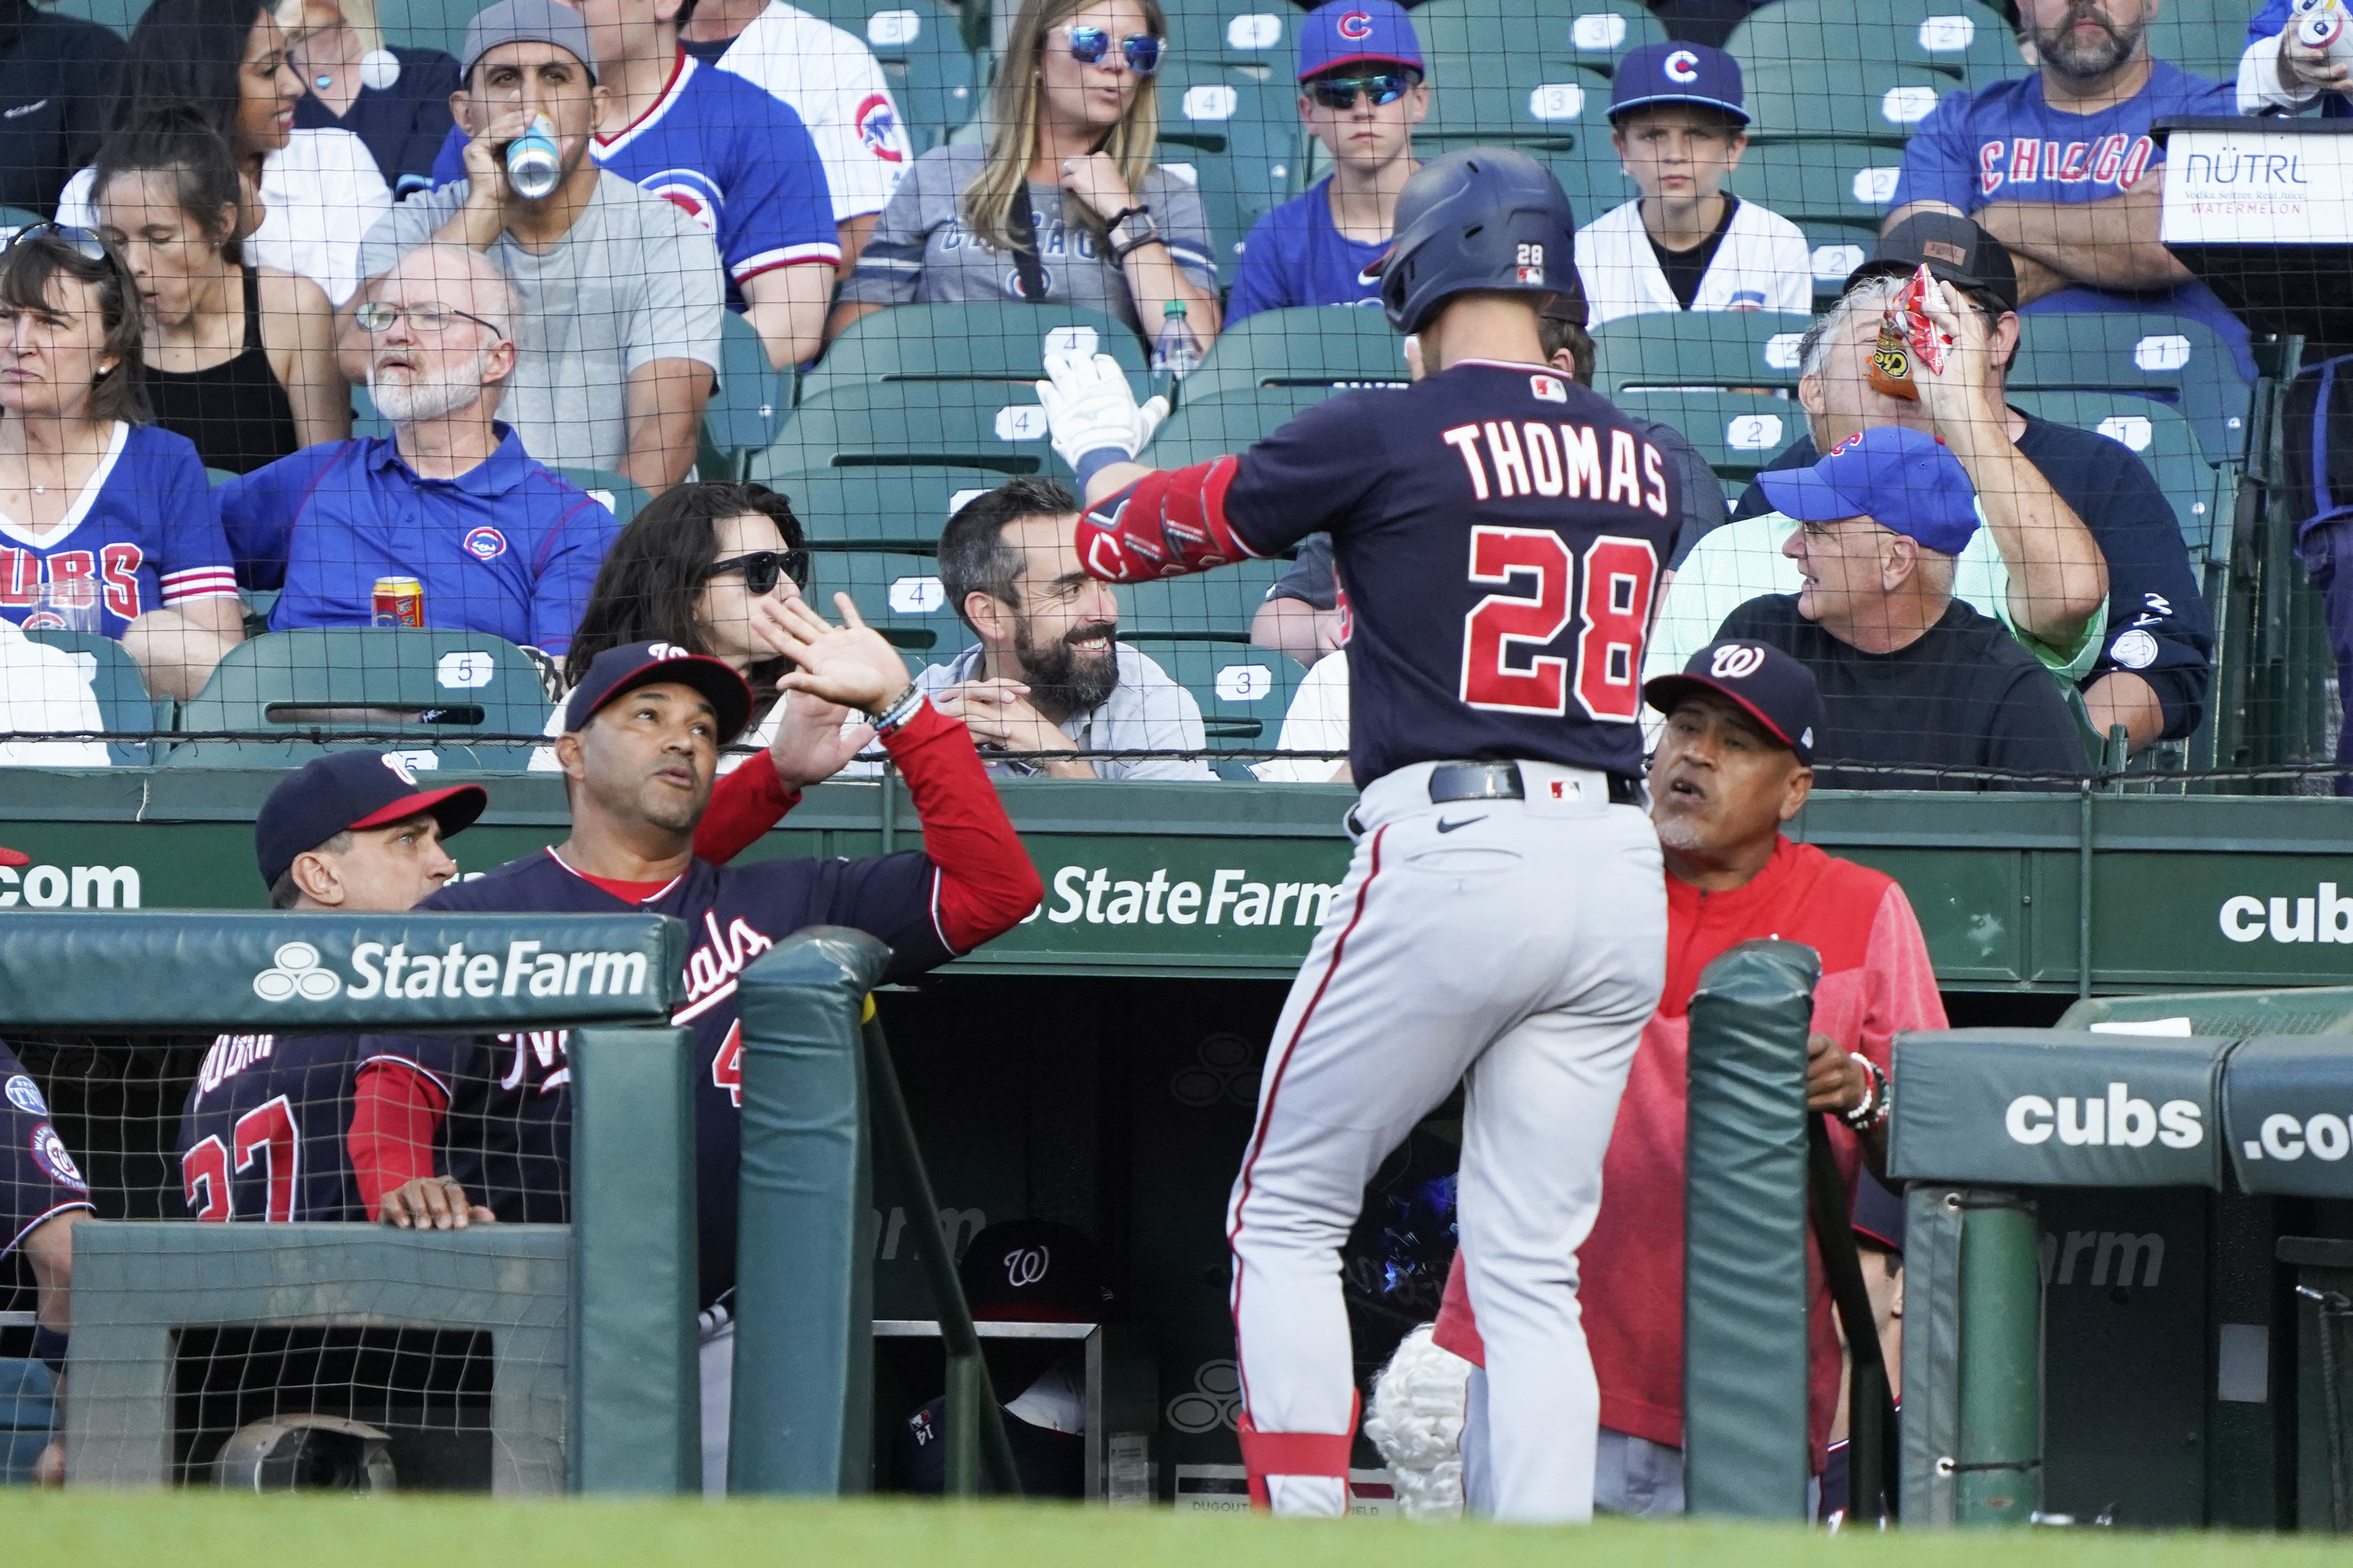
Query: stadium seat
{"x": 2204, "y": 40}
{"x": 1208, "y": 607}
{"x": 2158, "y": 434}
{"x": 1869, "y": 102}
{"x": 14, "y": 218}
{"x": 2174, "y": 357}
{"x": 1316, "y": 345}
{"x": 996, "y": 340}
{"x": 992, "y": 424}
{"x": 1738, "y": 433}
{"x": 1678, "y": 348}
{"x": 428, "y": 24}
{"x": 937, "y": 84}
{"x": 1213, "y": 426}
{"x": 220, "y": 476}
{"x": 624, "y": 497}
{"x": 1968, "y": 43}
{"x": 749, "y": 405}
{"x": 867, "y": 507}
{"x": 114, "y": 679}
{"x": 1239, "y": 140}
{"x": 1243, "y": 691}
{"x": 440, "y": 686}
{"x": 1822, "y": 185}
{"x": 28, "y": 1415}
{"x": 898, "y": 593}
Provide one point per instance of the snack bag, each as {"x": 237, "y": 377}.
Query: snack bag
{"x": 1906, "y": 334}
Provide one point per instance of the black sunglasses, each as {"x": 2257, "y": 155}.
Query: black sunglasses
{"x": 1340, "y": 91}
{"x": 85, "y": 243}
{"x": 762, "y": 567}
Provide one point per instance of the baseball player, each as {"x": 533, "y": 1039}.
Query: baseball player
{"x": 1499, "y": 531}
{"x": 479, "y": 1128}
{"x": 263, "y": 1134}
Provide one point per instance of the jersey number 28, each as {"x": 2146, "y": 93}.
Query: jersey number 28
{"x": 1612, "y": 602}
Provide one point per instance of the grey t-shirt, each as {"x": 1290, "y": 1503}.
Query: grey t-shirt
{"x": 1146, "y": 711}
{"x": 634, "y": 281}
{"x": 920, "y": 253}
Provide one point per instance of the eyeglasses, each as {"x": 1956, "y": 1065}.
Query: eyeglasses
{"x": 762, "y": 567}
{"x": 1340, "y": 91}
{"x": 375, "y": 316}
{"x": 1140, "y": 50}
{"x": 83, "y": 242}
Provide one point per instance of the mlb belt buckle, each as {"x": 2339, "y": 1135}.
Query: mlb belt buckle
{"x": 1452, "y": 782}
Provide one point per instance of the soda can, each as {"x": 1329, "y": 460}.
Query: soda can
{"x": 400, "y": 602}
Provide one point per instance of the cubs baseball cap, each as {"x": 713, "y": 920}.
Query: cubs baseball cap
{"x": 1357, "y": 32}
{"x": 1905, "y": 480}
{"x": 1768, "y": 685}
{"x": 1678, "y": 73}
{"x": 345, "y": 790}
{"x": 527, "y": 22}
{"x": 624, "y": 668}
{"x": 1954, "y": 250}
{"x": 1033, "y": 1270}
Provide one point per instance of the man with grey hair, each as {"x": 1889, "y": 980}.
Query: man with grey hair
{"x": 2081, "y": 556}
{"x": 498, "y": 543}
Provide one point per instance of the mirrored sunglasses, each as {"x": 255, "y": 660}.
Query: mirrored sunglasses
{"x": 1340, "y": 91}
{"x": 1089, "y": 46}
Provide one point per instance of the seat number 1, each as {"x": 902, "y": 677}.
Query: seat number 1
{"x": 1502, "y": 670}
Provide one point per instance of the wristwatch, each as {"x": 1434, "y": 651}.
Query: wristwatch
{"x": 1131, "y": 228}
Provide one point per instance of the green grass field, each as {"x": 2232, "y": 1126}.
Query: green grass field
{"x": 163, "y": 1530}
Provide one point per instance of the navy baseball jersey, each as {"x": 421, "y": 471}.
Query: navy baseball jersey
{"x": 1499, "y": 531}
{"x": 737, "y": 160}
{"x": 37, "y": 1177}
{"x": 508, "y": 1135}
{"x": 263, "y": 1134}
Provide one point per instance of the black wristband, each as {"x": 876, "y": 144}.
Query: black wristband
{"x": 49, "y": 1347}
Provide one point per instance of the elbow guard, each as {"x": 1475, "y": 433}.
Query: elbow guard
{"x": 1163, "y": 525}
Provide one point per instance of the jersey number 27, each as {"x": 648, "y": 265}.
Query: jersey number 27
{"x": 1611, "y": 590}
{"x": 265, "y": 1133}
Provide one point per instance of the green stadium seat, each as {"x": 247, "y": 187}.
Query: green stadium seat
{"x": 992, "y": 424}
{"x": 1717, "y": 348}
{"x": 1822, "y": 185}
{"x": 2204, "y": 40}
{"x": 14, "y": 218}
{"x": 623, "y": 497}
{"x": 898, "y": 593}
{"x": 749, "y": 405}
{"x": 938, "y": 87}
{"x": 1462, "y": 38}
{"x": 1213, "y": 426}
{"x": 1738, "y": 433}
{"x": 1316, "y": 345}
{"x": 2173, "y": 358}
{"x": 1239, "y": 140}
{"x": 443, "y": 687}
{"x": 1870, "y": 103}
{"x": 118, "y": 15}
{"x": 2158, "y": 435}
{"x": 1243, "y": 691}
{"x": 220, "y": 476}
{"x": 996, "y": 340}
{"x": 124, "y": 704}
{"x": 1208, "y": 607}
{"x": 870, "y": 507}
{"x": 1966, "y": 42}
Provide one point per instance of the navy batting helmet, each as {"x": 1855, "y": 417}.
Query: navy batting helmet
{"x": 1485, "y": 217}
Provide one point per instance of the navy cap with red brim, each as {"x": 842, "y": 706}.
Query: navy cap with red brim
{"x": 624, "y": 668}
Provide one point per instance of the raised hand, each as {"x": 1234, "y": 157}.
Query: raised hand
{"x": 848, "y": 664}
{"x": 812, "y": 743}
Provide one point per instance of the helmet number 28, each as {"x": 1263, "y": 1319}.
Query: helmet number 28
{"x": 1502, "y": 670}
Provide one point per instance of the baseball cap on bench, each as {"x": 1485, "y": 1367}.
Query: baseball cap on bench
{"x": 624, "y": 668}
{"x": 345, "y": 790}
{"x": 1770, "y": 686}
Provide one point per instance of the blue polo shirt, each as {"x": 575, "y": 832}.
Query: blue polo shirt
{"x": 1296, "y": 255}
{"x": 507, "y": 548}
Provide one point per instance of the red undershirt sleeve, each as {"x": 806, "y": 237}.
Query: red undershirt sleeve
{"x": 395, "y": 1114}
{"x": 743, "y": 805}
{"x": 987, "y": 885}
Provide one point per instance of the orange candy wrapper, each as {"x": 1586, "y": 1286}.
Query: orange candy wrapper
{"x": 1904, "y": 334}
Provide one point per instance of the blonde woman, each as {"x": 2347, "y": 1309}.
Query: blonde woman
{"x": 1065, "y": 203}
{"x": 394, "y": 99}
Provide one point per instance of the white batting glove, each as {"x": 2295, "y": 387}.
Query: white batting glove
{"x": 1090, "y": 409}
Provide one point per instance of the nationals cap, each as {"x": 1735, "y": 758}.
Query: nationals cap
{"x": 1954, "y": 250}
{"x": 1353, "y": 33}
{"x": 1677, "y": 73}
{"x": 1036, "y": 1271}
{"x": 624, "y": 668}
{"x": 1770, "y": 686}
{"x": 1905, "y": 480}
{"x": 527, "y": 22}
{"x": 345, "y": 790}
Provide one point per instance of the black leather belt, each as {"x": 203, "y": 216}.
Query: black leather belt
{"x": 1501, "y": 781}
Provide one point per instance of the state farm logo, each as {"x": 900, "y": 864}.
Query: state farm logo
{"x": 2116, "y": 1121}
{"x": 299, "y": 970}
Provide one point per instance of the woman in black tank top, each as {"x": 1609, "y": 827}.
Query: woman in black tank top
{"x": 240, "y": 360}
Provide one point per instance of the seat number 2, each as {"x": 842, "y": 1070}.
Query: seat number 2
{"x": 1501, "y": 671}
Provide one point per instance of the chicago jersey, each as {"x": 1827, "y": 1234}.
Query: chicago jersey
{"x": 263, "y": 1134}
{"x": 37, "y": 1177}
{"x": 507, "y": 1138}
{"x": 143, "y": 534}
{"x": 734, "y": 159}
{"x": 1499, "y": 531}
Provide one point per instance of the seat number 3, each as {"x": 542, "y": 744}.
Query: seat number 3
{"x": 1503, "y": 671}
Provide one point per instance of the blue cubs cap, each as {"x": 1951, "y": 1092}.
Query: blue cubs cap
{"x": 345, "y": 790}
{"x": 1903, "y": 480}
{"x": 1770, "y": 686}
{"x": 624, "y": 668}
{"x": 1677, "y": 73}
{"x": 1357, "y": 32}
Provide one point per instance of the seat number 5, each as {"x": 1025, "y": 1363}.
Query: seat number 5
{"x": 1503, "y": 671}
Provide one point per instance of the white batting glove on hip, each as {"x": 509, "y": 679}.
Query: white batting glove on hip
{"x": 1090, "y": 409}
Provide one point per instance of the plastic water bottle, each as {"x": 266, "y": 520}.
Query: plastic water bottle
{"x": 1176, "y": 353}
{"x": 532, "y": 166}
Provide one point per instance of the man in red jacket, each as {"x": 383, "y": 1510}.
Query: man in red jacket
{"x": 1734, "y": 764}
